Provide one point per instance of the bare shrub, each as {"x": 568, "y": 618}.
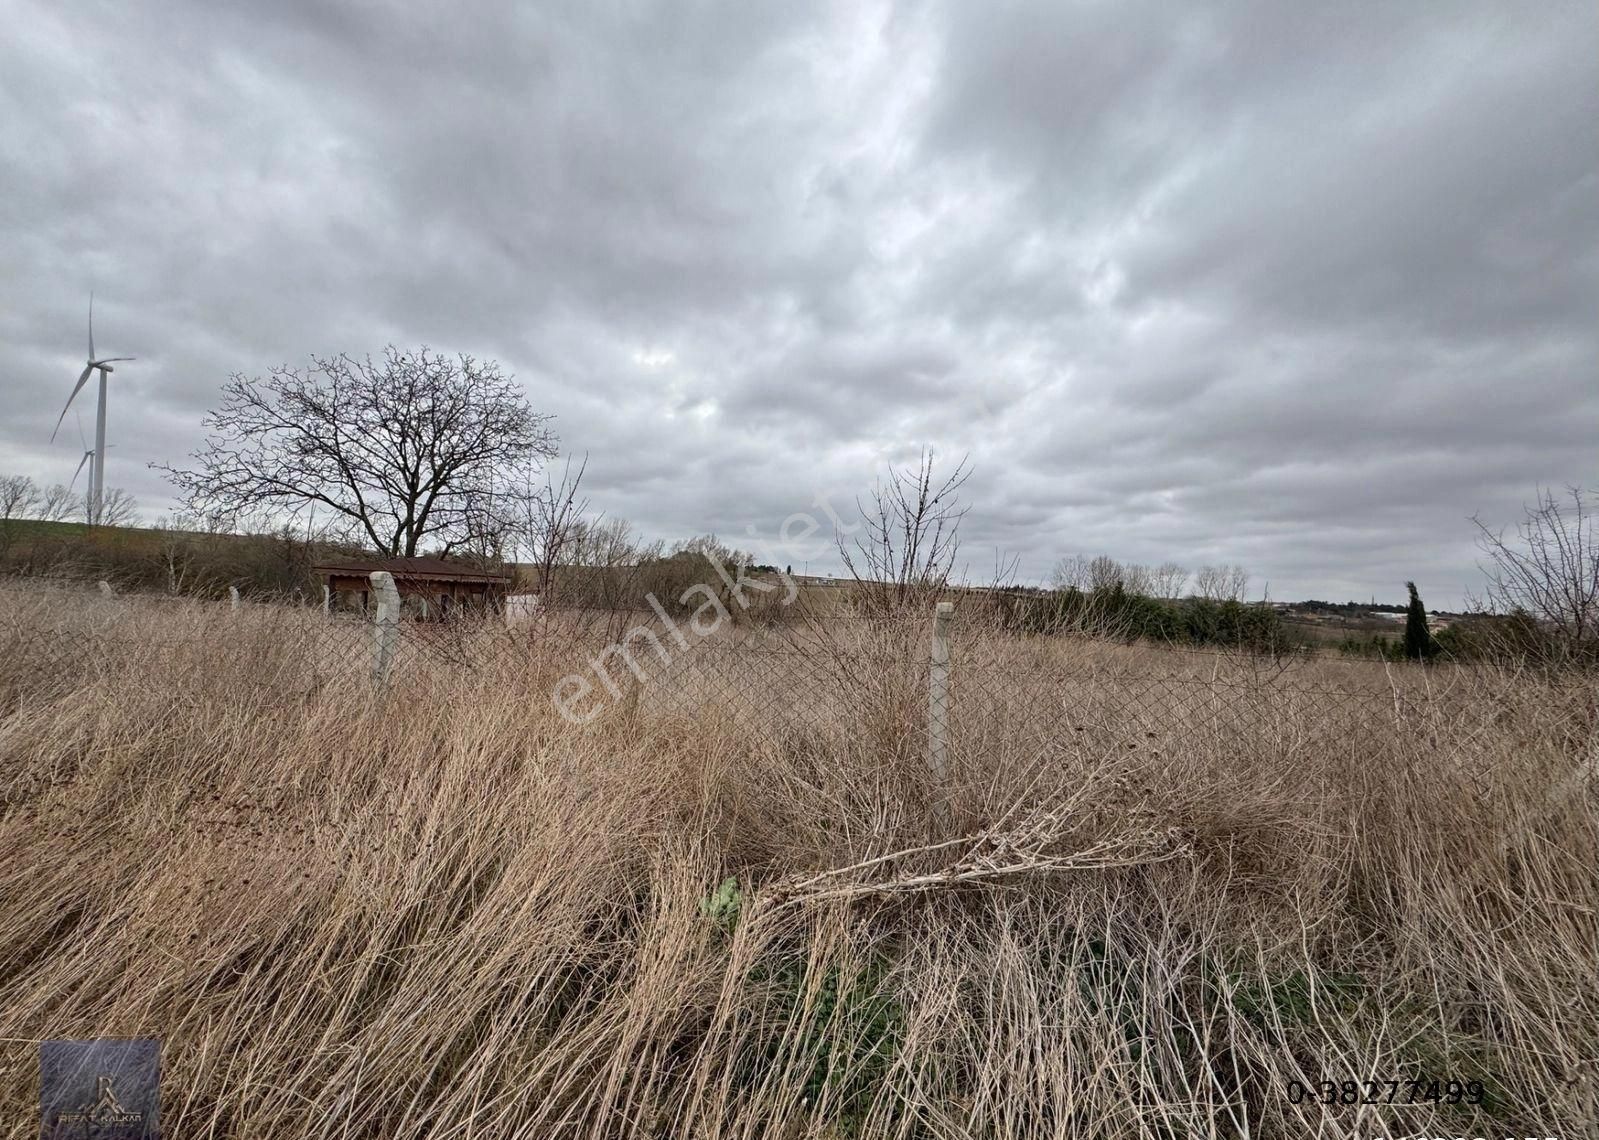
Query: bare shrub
{"x": 1549, "y": 569}
{"x": 911, "y": 537}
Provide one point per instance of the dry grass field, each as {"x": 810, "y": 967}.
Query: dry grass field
{"x": 1154, "y": 895}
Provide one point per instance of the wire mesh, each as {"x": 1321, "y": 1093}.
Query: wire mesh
{"x": 812, "y": 682}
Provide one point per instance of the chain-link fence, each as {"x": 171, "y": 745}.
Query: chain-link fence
{"x": 951, "y": 688}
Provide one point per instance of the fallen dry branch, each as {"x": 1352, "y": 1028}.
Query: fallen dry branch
{"x": 989, "y": 857}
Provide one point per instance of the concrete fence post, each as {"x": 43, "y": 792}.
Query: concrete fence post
{"x": 327, "y": 599}
{"x": 233, "y": 597}
{"x": 938, "y": 695}
{"x": 386, "y": 627}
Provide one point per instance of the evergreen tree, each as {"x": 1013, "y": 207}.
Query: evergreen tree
{"x": 1418, "y": 639}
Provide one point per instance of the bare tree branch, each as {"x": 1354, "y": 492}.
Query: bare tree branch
{"x": 18, "y": 494}
{"x": 409, "y": 449}
{"x": 1549, "y": 568}
{"x": 911, "y": 536}
{"x": 547, "y": 523}
{"x": 57, "y": 503}
{"x": 117, "y": 507}
{"x": 1222, "y": 583}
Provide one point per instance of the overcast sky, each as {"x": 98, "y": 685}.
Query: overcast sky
{"x": 1299, "y": 286}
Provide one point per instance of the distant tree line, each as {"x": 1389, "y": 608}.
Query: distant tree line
{"x": 1168, "y": 580}
{"x": 22, "y": 499}
{"x": 1116, "y": 612}
{"x": 1347, "y": 609}
{"x": 1102, "y": 597}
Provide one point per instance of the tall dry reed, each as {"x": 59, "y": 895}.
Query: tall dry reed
{"x": 736, "y": 904}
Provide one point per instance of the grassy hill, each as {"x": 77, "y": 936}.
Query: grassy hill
{"x": 24, "y": 531}
{"x": 153, "y": 558}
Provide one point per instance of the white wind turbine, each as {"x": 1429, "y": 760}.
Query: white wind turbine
{"x": 97, "y": 467}
{"x": 88, "y": 457}
{"x": 89, "y": 460}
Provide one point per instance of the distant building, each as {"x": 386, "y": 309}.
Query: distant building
{"x": 429, "y": 587}
{"x": 817, "y": 580}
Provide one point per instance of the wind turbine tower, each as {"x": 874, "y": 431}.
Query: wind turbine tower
{"x": 97, "y": 466}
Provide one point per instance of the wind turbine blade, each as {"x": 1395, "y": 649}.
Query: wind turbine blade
{"x": 91, "y": 324}
{"x": 82, "y": 380}
{"x": 110, "y": 359}
{"x": 87, "y": 455}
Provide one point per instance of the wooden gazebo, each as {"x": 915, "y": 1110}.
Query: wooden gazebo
{"x": 429, "y": 587}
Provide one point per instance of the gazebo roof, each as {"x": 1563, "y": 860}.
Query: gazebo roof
{"x": 426, "y": 569}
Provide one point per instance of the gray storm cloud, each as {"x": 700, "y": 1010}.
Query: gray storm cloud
{"x": 1301, "y": 287}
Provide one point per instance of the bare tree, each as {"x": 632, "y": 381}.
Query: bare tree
{"x": 1138, "y": 579}
{"x": 911, "y": 536}
{"x": 1168, "y": 579}
{"x": 548, "y": 523}
{"x": 710, "y": 547}
{"x": 1104, "y": 573}
{"x": 1222, "y": 583}
{"x": 117, "y": 507}
{"x": 57, "y": 503}
{"x": 1095, "y": 611}
{"x": 1101, "y": 572}
{"x": 601, "y": 566}
{"x": 187, "y": 549}
{"x": 1071, "y": 573}
{"x": 18, "y": 494}
{"x": 1237, "y": 583}
{"x": 177, "y": 550}
{"x": 1550, "y": 567}
{"x": 606, "y": 542}
{"x": 410, "y": 449}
